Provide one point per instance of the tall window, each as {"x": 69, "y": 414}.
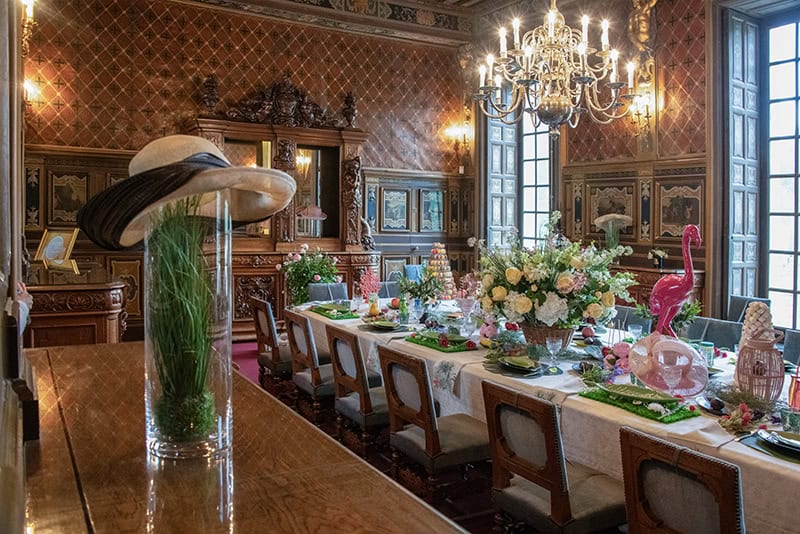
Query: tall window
{"x": 535, "y": 182}
{"x": 782, "y": 173}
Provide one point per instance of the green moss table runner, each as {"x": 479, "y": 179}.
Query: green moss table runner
{"x": 640, "y": 408}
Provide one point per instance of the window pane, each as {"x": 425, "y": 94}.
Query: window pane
{"x": 781, "y": 42}
{"x": 781, "y": 235}
{"x": 781, "y": 271}
{"x": 541, "y": 220}
{"x": 528, "y": 225}
{"x": 782, "y": 312}
{"x": 529, "y": 198}
{"x": 781, "y": 156}
{"x": 542, "y": 146}
{"x": 543, "y": 172}
{"x": 543, "y": 199}
{"x": 529, "y": 146}
{"x": 781, "y": 195}
{"x": 782, "y": 119}
{"x": 782, "y": 80}
{"x": 529, "y": 176}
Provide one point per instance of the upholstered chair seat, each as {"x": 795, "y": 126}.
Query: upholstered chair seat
{"x": 284, "y": 365}
{"x": 595, "y": 499}
{"x": 323, "y": 292}
{"x": 324, "y": 388}
{"x": 350, "y": 405}
{"x": 463, "y": 440}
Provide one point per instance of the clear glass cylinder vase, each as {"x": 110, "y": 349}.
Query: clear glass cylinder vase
{"x": 188, "y": 290}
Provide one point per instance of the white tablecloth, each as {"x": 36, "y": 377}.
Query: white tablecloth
{"x": 590, "y": 429}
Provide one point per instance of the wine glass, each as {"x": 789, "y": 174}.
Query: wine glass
{"x": 355, "y": 303}
{"x": 635, "y": 330}
{"x": 672, "y": 376}
{"x": 554, "y": 346}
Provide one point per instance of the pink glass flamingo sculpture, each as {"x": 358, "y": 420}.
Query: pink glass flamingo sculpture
{"x": 672, "y": 290}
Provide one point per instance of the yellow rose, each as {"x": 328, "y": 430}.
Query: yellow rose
{"x": 608, "y": 299}
{"x": 598, "y": 294}
{"x": 499, "y": 293}
{"x": 513, "y": 275}
{"x": 534, "y": 288}
{"x": 565, "y": 283}
{"x": 593, "y": 310}
{"x": 487, "y": 281}
{"x": 523, "y": 304}
{"x": 487, "y": 303}
{"x": 576, "y": 263}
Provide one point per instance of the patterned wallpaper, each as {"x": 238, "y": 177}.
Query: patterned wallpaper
{"x": 118, "y": 73}
{"x": 680, "y": 64}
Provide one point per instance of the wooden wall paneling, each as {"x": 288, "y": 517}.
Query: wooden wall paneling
{"x": 129, "y": 270}
{"x": 678, "y": 201}
{"x": 645, "y": 186}
{"x": 467, "y": 209}
{"x": 607, "y": 197}
{"x": 34, "y": 193}
{"x": 394, "y": 264}
{"x": 454, "y": 215}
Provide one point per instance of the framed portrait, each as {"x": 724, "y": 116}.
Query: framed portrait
{"x": 606, "y": 199}
{"x": 67, "y": 196}
{"x": 678, "y": 204}
{"x": 129, "y": 271}
{"x": 395, "y": 210}
{"x": 431, "y": 211}
{"x": 56, "y": 245}
{"x": 61, "y": 265}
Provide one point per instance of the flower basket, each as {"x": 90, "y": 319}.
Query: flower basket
{"x": 538, "y": 334}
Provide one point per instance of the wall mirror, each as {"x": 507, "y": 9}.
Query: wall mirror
{"x": 317, "y": 198}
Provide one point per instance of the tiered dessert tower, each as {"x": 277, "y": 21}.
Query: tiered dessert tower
{"x": 439, "y": 264}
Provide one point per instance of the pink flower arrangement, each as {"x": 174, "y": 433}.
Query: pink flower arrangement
{"x": 369, "y": 283}
{"x": 617, "y": 356}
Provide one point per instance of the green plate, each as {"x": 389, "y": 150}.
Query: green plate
{"x": 522, "y": 363}
{"x": 453, "y": 338}
{"x": 636, "y": 393}
{"x": 332, "y": 306}
{"x": 384, "y": 325}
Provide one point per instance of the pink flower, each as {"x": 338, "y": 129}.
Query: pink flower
{"x": 621, "y": 349}
{"x": 317, "y": 278}
{"x": 296, "y": 256}
{"x": 279, "y": 267}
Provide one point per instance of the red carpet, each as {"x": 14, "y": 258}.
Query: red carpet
{"x": 245, "y": 355}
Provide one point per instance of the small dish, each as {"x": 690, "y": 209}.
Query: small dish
{"x": 773, "y": 438}
{"x": 712, "y": 406}
{"x": 582, "y": 367}
{"x": 384, "y": 325}
{"x": 521, "y": 363}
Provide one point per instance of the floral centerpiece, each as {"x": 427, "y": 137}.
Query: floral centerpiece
{"x": 658, "y": 255}
{"x": 550, "y": 290}
{"x": 424, "y": 289}
{"x": 303, "y": 268}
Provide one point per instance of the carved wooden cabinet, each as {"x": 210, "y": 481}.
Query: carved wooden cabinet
{"x": 648, "y": 276}
{"x": 71, "y": 309}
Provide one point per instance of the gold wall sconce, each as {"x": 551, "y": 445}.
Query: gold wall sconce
{"x": 460, "y": 135}
{"x": 28, "y": 23}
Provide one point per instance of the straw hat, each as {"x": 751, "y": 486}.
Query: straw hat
{"x": 175, "y": 167}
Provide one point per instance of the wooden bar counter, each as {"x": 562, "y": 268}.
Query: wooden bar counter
{"x": 90, "y": 472}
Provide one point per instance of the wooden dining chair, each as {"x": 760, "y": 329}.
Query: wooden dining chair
{"x": 360, "y": 397}
{"x": 274, "y": 359}
{"x": 669, "y": 488}
{"x": 531, "y": 481}
{"x": 326, "y": 292}
{"x": 313, "y": 380}
{"x": 416, "y": 433}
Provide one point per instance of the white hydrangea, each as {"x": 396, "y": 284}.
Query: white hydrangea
{"x": 552, "y": 310}
{"x": 515, "y": 306}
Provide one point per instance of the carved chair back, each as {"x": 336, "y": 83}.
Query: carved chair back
{"x": 409, "y": 395}
{"x": 669, "y": 488}
{"x": 301, "y": 345}
{"x": 349, "y": 369}
{"x": 525, "y": 440}
{"x": 266, "y": 330}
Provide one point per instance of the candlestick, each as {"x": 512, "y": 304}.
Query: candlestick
{"x": 551, "y": 24}
{"x": 614, "y": 58}
{"x": 631, "y": 70}
{"x": 503, "y": 44}
{"x": 604, "y": 34}
{"x": 528, "y": 57}
{"x": 585, "y": 29}
{"x": 498, "y": 95}
{"x": 515, "y": 25}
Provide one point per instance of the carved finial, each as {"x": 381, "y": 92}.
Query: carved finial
{"x": 210, "y": 94}
{"x": 349, "y": 111}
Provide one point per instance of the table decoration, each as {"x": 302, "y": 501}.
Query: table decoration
{"x": 550, "y": 290}
{"x": 759, "y": 365}
{"x": 611, "y": 224}
{"x": 335, "y": 314}
{"x": 441, "y": 341}
{"x": 641, "y": 401}
{"x": 303, "y": 268}
{"x": 668, "y": 364}
{"x": 712, "y": 405}
{"x": 369, "y": 284}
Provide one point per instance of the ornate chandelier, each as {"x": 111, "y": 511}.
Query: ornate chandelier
{"x": 555, "y": 76}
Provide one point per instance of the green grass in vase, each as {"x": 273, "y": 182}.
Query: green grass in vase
{"x": 181, "y": 300}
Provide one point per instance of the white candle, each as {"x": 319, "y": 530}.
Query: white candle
{"x": 631, "y": 70}
{"x": 551, "y": 23}
{"x": 490, "y": 65}
{"x": 614, "y": 58}
{"x": 604, "y": 34}
{"x": 581, "y": 49}
{"x": 585, "y": 29}
{"x": 515, "y": 25}
{"x": 482, "y": 72}
{"x": 498, "y": 95}
{"x": 503, "y": 44}
{"x": 528, "y": 57}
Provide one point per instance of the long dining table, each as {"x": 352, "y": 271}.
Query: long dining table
{"x": 590, "y": 429}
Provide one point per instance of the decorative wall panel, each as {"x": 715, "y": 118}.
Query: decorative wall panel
{"x": 117, "y": 74}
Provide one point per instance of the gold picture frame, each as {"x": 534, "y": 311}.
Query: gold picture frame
{"x": 61, "y": 265}
{"x": 56, "y": 245}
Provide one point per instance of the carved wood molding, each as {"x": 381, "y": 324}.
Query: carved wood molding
{"x": 256, "y": 260}
{"x": 78, "y": 301}
{"x": 280, "y": 103}
{"x": 245, "y": 287}
{"x": 352, "y": 200}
